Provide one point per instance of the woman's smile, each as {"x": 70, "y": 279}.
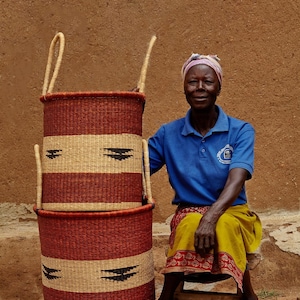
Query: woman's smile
{"x": 200, "y": 97}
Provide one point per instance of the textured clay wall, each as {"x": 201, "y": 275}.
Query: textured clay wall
{"x": 257, "y": 41}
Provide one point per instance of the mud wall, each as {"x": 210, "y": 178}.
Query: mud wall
{"x": 105, "y": 46}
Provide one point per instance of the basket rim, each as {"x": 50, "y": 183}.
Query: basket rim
{"x": 86, "y": 94}
{"x": 96, "y": 214}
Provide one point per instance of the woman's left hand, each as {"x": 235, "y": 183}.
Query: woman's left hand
{"x": 205, "y": 236}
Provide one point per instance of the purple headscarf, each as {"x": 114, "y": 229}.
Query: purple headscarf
{"x": 209, "y": 60}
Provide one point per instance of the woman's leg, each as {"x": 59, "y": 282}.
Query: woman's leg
{"x": 248, "y": 292}
{"x": 171, "y": 282}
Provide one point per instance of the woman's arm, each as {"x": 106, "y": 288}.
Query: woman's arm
{"x": 205, "y": 233}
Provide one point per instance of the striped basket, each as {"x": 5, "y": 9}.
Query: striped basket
{"x": 92, "y": 151}
{"x": 92, "y": 146}
{"x": 102, "y": 255}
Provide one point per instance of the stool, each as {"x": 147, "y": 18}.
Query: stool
{"x": 186, "y": 294}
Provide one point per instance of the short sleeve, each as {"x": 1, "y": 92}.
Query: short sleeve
{"x": 156, "y": 150}
{"x": 243, "y": 151}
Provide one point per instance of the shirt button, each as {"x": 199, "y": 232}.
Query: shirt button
{"x": 203, "y": 150}
{"x": 203, "y": 141}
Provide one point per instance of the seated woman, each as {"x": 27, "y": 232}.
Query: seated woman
{"x": 209, "y": 156}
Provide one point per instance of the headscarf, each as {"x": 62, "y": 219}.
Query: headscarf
{"x": 209, "y": 60}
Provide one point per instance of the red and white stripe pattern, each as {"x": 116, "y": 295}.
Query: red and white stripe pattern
{"x": 92, "y": 151}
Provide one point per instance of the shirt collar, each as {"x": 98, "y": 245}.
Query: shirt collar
{"x": 220, "y": 126}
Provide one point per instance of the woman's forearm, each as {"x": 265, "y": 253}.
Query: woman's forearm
{"x": 234, "y": 184}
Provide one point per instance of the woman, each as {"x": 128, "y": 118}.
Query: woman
{"x": 208, "y": 156}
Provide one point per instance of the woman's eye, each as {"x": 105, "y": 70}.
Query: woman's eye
{"x": 192, "y": 81}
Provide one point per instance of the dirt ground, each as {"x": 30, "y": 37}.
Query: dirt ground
{"x": 258, "y": 43}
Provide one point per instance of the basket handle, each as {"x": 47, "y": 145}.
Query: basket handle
{"x": 39, "y": 177}
{"x": 147, "y": 181}
{"x": 47, "y": 88}
{"x": 141, "y": 82}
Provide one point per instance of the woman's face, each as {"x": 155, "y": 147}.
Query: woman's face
{"x": 201, "y": 87}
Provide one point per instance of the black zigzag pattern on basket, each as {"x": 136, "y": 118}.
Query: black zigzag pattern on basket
{"x": 49, "y": 273}
{"x": 53, "y": 153}
{"x": 119, "y": 153}
{"x": 122, "y": 274}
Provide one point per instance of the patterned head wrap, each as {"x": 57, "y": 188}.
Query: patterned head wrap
{"x": 209, "y": 60}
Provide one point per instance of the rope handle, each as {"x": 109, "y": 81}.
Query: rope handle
{"x": 146, "y": 173}
{"x": 39, "y": 177}
{"x": 59, "y": 37}
{"x": 141, "y": 82}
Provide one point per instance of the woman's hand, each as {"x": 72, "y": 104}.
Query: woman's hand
{"x": 205, "y": 236}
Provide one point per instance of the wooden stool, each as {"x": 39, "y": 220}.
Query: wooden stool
{"x": 185, "y": 294}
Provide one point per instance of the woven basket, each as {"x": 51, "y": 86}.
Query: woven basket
{"x": 103, "y": 256}
{"x": 92, "y": 146}
{"x": 92, "y": 151}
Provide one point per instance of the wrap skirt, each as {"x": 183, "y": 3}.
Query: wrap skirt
{"x": 238, "y": 232}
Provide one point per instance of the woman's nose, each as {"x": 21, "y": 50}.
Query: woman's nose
{"x": 200, "y": 85}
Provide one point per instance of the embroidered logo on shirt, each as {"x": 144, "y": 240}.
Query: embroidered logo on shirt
{"x": 225, "y": 154}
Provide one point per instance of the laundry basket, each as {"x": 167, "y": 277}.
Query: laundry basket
{"x": 102, "y": 255}
{"x": 92, "y": 151}
{"x": 92, "y": 146}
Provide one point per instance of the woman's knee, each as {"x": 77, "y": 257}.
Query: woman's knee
{"x": 227, "y": 222}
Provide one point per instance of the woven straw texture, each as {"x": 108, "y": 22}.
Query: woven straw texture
{"x": 92, "y": 151}
{"x": 93, "y": 113}
{"x": 104, "y": 255}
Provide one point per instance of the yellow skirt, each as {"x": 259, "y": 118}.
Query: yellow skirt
{"x": 238, "y": 231}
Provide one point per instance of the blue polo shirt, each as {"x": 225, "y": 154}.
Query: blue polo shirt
{"x": 198, "y": 165}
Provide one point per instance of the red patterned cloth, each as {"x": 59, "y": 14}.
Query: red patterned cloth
{"x": 238, "y": 231}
